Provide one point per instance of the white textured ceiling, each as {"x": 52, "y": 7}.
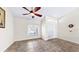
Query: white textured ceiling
{"x": 45, "y": 11}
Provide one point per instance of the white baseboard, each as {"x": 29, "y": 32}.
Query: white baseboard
{"x": 27, "y": 39}
{"x": 74, "y": 40}
{"x": 49, "y": 38}
{"x": 7, "y": 46}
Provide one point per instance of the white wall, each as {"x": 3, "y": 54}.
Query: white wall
{"x": 63, "y": 30}
{"x": 49, "y": 25}
{"x": 21, "y": 29}
{"x": 6, "y": 34}
{"x": 49, "y": 28}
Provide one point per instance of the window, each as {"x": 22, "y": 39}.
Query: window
{"x": 32, "y": 30}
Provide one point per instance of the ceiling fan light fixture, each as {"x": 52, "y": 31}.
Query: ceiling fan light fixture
{"x": 33, "y": 16}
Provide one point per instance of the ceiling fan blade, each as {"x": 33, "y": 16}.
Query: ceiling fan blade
{"x": 37, "y": 14}
{"x": 26, "y": 14}
{"x": 26, "y": 9}
{"x": 36, "y": 9}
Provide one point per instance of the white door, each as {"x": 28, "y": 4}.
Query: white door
{"x": 49, "y": 28}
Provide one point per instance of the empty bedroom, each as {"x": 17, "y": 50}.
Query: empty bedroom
{"x": 39, "y": 29}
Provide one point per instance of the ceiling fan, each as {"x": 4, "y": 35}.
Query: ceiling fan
{"x": 33, "y": 11}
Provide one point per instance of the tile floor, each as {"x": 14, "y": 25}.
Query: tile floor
{"x": 39, "y": 45}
